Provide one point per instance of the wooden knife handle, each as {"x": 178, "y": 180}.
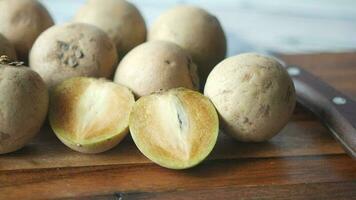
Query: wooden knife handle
{"x": 334, "y": 109}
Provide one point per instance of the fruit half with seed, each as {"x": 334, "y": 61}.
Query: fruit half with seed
{"x": 90, "y": 115}
{"x": 176, "y": 129}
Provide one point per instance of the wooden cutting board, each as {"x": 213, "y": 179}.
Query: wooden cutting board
{"x": 302, "y": 162}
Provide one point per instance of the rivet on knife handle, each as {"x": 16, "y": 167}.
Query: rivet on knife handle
{"x": 334, "y": 109}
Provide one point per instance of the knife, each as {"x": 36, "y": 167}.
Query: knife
{"x": 334, "y": 109}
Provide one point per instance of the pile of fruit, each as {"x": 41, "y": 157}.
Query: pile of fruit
{"x": 97, "y": 79}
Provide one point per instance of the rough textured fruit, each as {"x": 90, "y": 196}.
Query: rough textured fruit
{"x": 90, "y": 115}
{"x": 73, "y": 50}
{"x": 120, "y": 19}
{"x": 23, "y": 106}
{"x": 176, "y": 129}
{"x": 196, "y": 31}
{"x": 21, "y": 22}
{"x": 253, "y": 94}
{"x": 156, "y": 65}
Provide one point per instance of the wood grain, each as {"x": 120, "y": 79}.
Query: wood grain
{"x": 302, "y": 162}
{"x": 331, "y": 191}
{"x": 297, "y": 138}
{"x": 88, "y": 181}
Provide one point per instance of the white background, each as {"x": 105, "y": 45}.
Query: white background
{"x": 286, "y": 26}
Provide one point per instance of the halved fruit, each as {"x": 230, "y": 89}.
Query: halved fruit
{"x": 90, "y": 115}
{"x": 176, "y": 129}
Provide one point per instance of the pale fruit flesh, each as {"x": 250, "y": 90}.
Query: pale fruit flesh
{"x": 90, "y": 115}
{"x": 176, "y": 129}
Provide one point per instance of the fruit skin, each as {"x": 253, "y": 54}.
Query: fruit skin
{"x": 93, "y": 148}
{"x": 253, "y": 94}
{"x": 154, "y": 66}
{"x": 73, "y": 50}
{"x": 21, "y": 22}
{"x": 195, "y": 30}
{"x": 83, "y": 97}
{"x": 120, "y": 19}
{"x": 23, "y": 106}
{"x": 6, "y": 48}
{"x": 198, "y": 107}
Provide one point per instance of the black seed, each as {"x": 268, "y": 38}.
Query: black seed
{"x": 180, "y": 121}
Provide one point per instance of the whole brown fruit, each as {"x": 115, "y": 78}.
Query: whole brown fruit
{"x": 21, "y": 22}
{"x": 23, "y": 106}
{"x": 120, "y": 19}
{"x": 254, "y": 96}
{"x": 195, "y": 30}
{"x": 72, "y": 50}
{"x": 156, "y": 65}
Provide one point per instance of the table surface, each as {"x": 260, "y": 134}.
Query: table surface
{"x": 302, "y": 162}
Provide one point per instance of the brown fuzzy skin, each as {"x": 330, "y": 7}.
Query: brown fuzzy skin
{"x": 90, "y": 115}
{"x": 23, "y": 106}
{"x": 21, "y": 22}
{"x": 196, "y": 31}
{"x": 253, "y": 94}
{"x": 154, "y": 66}
{"x": 176, "y": 129}
{"x": 6, "y": 48}
{"x": 121, "y": 20}
{"x": 72, "y": 50}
